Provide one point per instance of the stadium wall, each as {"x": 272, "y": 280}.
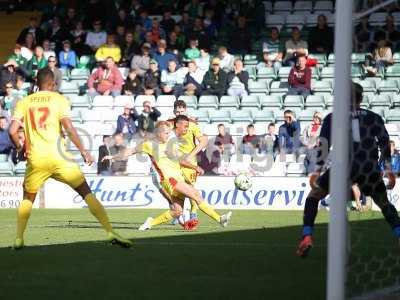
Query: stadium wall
{"x": 267, "y": 193}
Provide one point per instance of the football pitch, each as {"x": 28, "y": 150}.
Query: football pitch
{"x": 67, "y": 258}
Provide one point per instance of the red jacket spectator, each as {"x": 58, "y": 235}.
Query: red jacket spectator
{"x": 106, "y": 80}
{"x": 300, "y": 78}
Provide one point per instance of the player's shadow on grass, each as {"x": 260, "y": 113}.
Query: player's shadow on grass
{"x": 226, "y": 264}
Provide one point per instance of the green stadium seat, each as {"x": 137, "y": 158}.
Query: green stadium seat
{"x": 392, "y": 71}
{"x": 395, "y": 100}
{"x": 275, "y": 20}
{"x": 304, "y": 6}
{"x": 3, "y": 157}
{"x": 266, "y": 73}
{"x": 65, "y": 74}
{"x": 327, "y": 72}
{"x": 396, "y": 57}
{"x": 78, "y": 74}
{"x": 69, "y": 87}
{"x": 76, "y": 116}
{"x": 252, "y": 72}
{"x": 258, "y": 86}
{"x": 229, "y": 101}
{"x": 392, "y": 116}
{"x": 323, "y": 86}
{"x": 20, "y": 168}
{"x": 142, "y": 98}
{"x": 241, "y": 116}
{"x": 103, "y": 101}
{"x": 219, "y": 116}
{"x": 200, "y": 115}
{"x": 355, "y": 71}
{"x": 191, "y": 101}
{"x": 266, "y": 116}
{"x": 165, "y": 100}
{"x": 357, "y": 58}
{"x": 315, "y": 73}
{"x": 84, "y": 62}
{"x": 306, "y": 115}
{"x": 321, "y": 58}
{"x": 316, "y": 101}
{"x": 250, "y": 101}
{"x": 293, "y": 101}
{"x": 250, "y": 59}
{"x": 6, "y": 168}
{"x": 368, "y": 86}
{"x": 380, "y": 101}
{"x": 326, "y": 6}
{"x": 388, "y": 85}
{"x": 331, "y": 59}
{"x": 283, "y": 73}
{"x": 365, "y": 102}
{"x": 271, "y": 101}
{"x": 279, "y": 87}
{"x": 79, "y": 101}
{"x": 282, "y": 6}
{"x": 208, "y": 101}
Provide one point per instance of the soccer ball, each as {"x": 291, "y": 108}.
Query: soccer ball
{"x": 243, "y": 181}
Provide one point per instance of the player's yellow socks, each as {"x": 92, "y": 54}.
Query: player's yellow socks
{"x": 23, "y": 214}
{"x": 98, "y": 211}
{"x": 194, "y": 208}
{"x": 163, "y": 218}
{"x": 208, "y": 210}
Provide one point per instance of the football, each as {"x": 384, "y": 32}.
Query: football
{"x": 243, "y": 181}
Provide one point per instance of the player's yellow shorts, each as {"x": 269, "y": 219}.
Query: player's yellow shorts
{"x": 168, "y": 185}
{"x": 38, "y": 170}
{"x": 190, "y": 175}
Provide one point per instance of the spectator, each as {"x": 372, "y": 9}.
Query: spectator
{"x": 272, "y": 51}
{"x": 52, "y": 64}
{"x": 269, "y": 142}
{"x": 8, "y": 73}
{"x": 383, "y": 56}
{"x": 110, "y": 49}
{"x": 238, "y": 80}
{"x": 144, "y": 20}
{"x": 47, "y": 51}
{"x": 209, "y": 25}
{"x": 203, "y": 62}
{"x": 133, "y": 84}
{"x": 152, "y": 79}
{"x": 28, "y": 46}
{"x": 289, "y": 134}
{"x": 56, "y": 33}
{"x": 395, "y": 159}
{"x": 157, "y": 33}
{"x": 106, "y": 80}
{"x": 295, "y": 46}
{"x": 18, "y": 58}
{"x": 192, "y": 84}
{"x": 162, "y": 57}
{"x": 167, "y": 22}
{"x": 173, "y": 44}
{"x": 33, "y": 30}
{"x": 19, "y": 90}
{"x": 185, "y": 24}
{"x": 78, "y": 38}
{"x": 71, "y": 19}
{"x": 211, "y": 165}
{"x": 192, "y": 52}
{"x": 241, "y": 35}
{"x": 18, "y": 156}
{"x": 226, "y": 59}
{"x": 8, "y": 99}
{"x": 320, "y": 39}
{"x": 37, "y": 62}
{"x": 389, "y": 32}
{"x": 120, "y": 36}
{"x": 54, "y": 8}
{"x": 5, "y": 142}
{"x": 250, "y": 141}
{"x": 197, "y": 32}
{"x": 310, "y": 140}
{"x": 97, "y": 37}
{"x": 300, "y": 78}
{"x": 193, "y": 8}
{"x": 123, "y": 19}
{"x": 225, "y": 139}
{"x": 141, "y": 63}
{"x": 128, "y": 49}
{"x": 215, "y": 80}
{"x": 363, "y": 35}
{"x": 118, "y": 167}
{"x": 126, "y": 123}
{"x": 172, "y": 80}
{"x": 180, "y": 38}
{"x": 67, "y": 57}
{"x": 148, "y": 118}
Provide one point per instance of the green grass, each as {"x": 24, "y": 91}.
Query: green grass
{"x": 67, "y": 257}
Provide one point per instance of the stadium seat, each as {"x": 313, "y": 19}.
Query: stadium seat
{"x": 295, "y": 20}
{"x": 315, "y": 101}
{"x": 201, "y": 115}
{"x": 331, "y": 59}
{"x": 303, "y": 6}
{"x": 293, "y": 101}
{"x": 84, "y": 62}
{"x": 250, "y": 101}
{"x": 270, "y": 101}
{"x": 121, "y": 101}
{"x": 208, "y": 101}
{"x": 103, "y": 101}
{"x": 79, "y": 74}
{"x": 323, "y": 86}
{"x": 229, "y": 101}
{"x": 388, "y": 86}
{"x": 65, "y": 74}
{"x": 3, "y": 157}
{"x": 69, "y": 87}
{"x": 138, "y": 165}
{"x": 91, "y": 116}
{"x": 392, "y": 116}
{"x": 219, "y": 116}
{"x": 368, "y": 86}
{"x": 258, "y": 87}
{"x": 191, "y": 101}
{"x": 278, "y": 169}
{"x": 279, "y": 87}
{"x": 327, "y": 72}
{"x": 266, "y": 73}
{"x": 396, "y": 57}
{"x": 20, "y": 168}
{"x": 380, "y": 101}
{"x": 76, "y": 116}
{"x": 357, "y": 58}
{"x": 79, "y": 101}
{"x": 329, "y": 100}
{"x": 283, "y": 73}
{"x": 377, "y": 19}
{"x": 395, "y": 100}
{"x": 166, "y": 100}
{"x": 241, "y": 116}
{"x": 355, "y": 71}
{"x": 141, "y": 98}
{"x": 315, "y": 73}
{"x": 393, "y": 71}
{"x": 250, "y": 59}
{"x": 282, "y": 6}
{"x": 252, "y": 71}
{"x": 295, "y": 169}
{"x": 323, "y": 6}
{"x": 263, "y": 116}
{"x": 6, "y": 168}
{"x": 321, "y": 58}
{"x": 275, "y": 20}
{"x": 379, "y": 111}
{"x": 267, "y": 6}
{"x": 365, "y": 102}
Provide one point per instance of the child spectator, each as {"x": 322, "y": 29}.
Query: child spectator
{"x": 133, "y": 84}
{"x": 192, "y": 52}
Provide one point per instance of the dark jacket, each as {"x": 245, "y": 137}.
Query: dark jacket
{"x": 215, "y": 84}
{"x": 130, "y": 122}
{"x": 152, "y": 80}
{"x": 147, "y": 122}
{"x": 5, "y": 142}
{"x": 243, "y": 77}
{"x": 103, "y": 165}
{"x": 321, "y": 38}
{"x": 289, "y": 137}
{"x": 190, "y": 80}
{"x": 118, "y": 165}
{"x": 133, "y": 86}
